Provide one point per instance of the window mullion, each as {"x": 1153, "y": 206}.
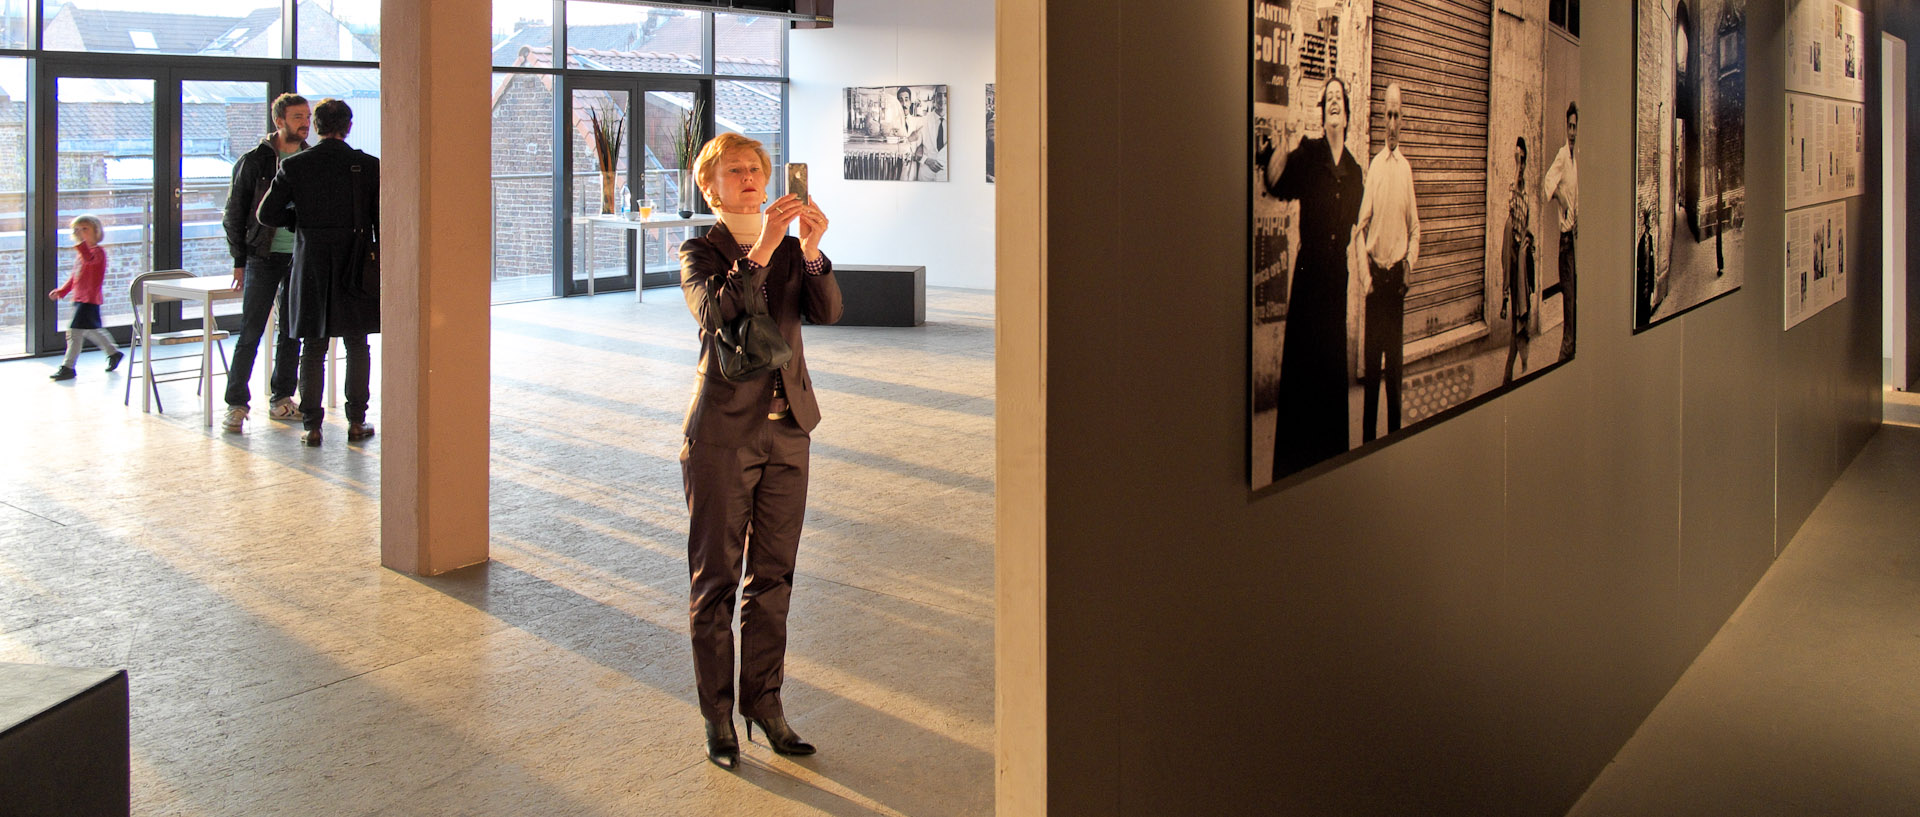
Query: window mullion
{"x": 289, "y": 27}
{"x": 709, "y": 54}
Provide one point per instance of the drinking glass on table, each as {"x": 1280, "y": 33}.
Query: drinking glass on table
{"x": 646, "y": 212}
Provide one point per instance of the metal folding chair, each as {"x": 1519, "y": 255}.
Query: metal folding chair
{"x": 140, "y": 330}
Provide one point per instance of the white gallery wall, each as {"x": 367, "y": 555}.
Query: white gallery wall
{"x": 945, "y": 226}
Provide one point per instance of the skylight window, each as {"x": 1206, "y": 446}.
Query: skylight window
{"x": 144, "y": 39}
{"x": 226, "y": 41}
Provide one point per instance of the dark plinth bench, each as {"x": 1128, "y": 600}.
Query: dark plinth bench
{"x": 63, "y": 741}
{"x": 881, "y": 295}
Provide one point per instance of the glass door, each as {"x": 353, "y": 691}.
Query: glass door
{"x": 149, "y": 152}
{"x": 645, "y": 180}
{"x": 104, "y": 130}
{"x": 220, "y": 120}
{"x": 603, "y": 123}
{"x": 20, "y": 296}
{"x": 666, "y": 111}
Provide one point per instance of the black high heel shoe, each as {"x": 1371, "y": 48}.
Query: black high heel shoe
{"x": 780, "y": 736}
{"x": 723, "y": 748}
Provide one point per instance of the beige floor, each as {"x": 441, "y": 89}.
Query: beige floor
{"x": 1805, "y": 702}
{"x": 278, "y": 670}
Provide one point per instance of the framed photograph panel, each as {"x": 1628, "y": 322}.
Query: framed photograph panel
{"x": 896, "y": 133}
{"x": 1414, "y": 214}
{"x": 1690, "y": 178}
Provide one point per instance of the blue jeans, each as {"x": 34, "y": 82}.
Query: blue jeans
{"x": 265, "y": 284}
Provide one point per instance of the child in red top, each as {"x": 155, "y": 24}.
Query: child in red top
{"x": 84, "y": 286}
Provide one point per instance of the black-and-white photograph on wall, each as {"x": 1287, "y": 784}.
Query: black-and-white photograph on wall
{"x": 896, "y": 133}
{"x": 1690, "y": 182}
{"x": 989, "y": 133}
{"x": 1415, "y": 202}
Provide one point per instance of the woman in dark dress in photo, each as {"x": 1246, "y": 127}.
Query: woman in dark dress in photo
{"x": 1326, "y": 179}
{"x": 1516, "y": 256}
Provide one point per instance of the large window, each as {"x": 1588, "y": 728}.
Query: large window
{"x": 339, "y": 30}
{"x": 147, "y": 144}
{"x": 523, "y": 214}
{"x": 13, "y": 23}
{"x": 220, "y": 120}
{"x": 523, "y": 33}
{"x": 105, "y": 132}
{"x": 649, "y": 66}
{"x": 753, "y": 46}
{"x": 621, "y": 37}
{"x": 14, "y": 286}
{"x": 328, "y": 29}
{"x": 359, "y": 88}
{"x": 753, "y": 109}
{"x": 225, "y": 28}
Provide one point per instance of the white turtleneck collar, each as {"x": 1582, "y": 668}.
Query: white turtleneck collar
{"x": 745, "y": 227}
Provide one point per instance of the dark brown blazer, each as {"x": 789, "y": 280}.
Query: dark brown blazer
{"x": 715, "y": 280}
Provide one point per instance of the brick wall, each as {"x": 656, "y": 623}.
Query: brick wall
{"x": 13, "y": 146}
{"x": 523, "y": 208}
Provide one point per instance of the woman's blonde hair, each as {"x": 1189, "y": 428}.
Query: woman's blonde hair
{"x": 99, "y": 230}
{"x": 708, "y": 162}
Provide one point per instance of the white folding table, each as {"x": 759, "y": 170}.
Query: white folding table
{"x": 640, "y": 227}
{"x": 205, "y": 290}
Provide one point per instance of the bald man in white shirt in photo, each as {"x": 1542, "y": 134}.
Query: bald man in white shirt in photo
{"x": 1562, "y": 187}
{"x": 1389, "y": 234}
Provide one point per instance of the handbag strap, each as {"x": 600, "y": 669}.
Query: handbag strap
{"x": 757, "y": 295}
{"x": 755, "y": 306}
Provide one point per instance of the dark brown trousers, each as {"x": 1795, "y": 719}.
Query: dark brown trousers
{"x": 746, "y": 505}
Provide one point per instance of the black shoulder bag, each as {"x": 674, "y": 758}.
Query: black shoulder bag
{"x": 750, "y": 346}
{"x": 366, "y": 243}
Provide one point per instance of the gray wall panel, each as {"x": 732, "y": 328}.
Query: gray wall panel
{"x": 1594, "y": 451}
{"x": 1093, "y": 554}
{"x": 1731, "y": 346}
{"x": 1866, "y": 385}
{"x": 1809, "y": 410}
{"x": 1468, "y": 621}
{"x": 1727, "y": 482}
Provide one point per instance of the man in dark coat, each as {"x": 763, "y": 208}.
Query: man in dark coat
{"x": 1325, "y": 178}
{"x": 330, "y": 196}
{"x": 262, "y": 256}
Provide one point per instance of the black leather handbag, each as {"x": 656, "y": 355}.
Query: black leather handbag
{"x": 750, "y": 346}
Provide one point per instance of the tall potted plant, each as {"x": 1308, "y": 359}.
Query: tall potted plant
{"x": 608, "y": 133}
{"x": 686, "y": 144}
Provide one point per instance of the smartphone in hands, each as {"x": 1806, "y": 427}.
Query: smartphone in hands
{"x": 797, "y": 181}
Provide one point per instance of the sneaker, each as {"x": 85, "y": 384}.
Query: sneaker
{"x": 359, "y": 431}
{"x": 62, "y": 373}
{"x": 236, "y": 419}
{"x": 113, "y": 360}
{"x": 284, "y": 410}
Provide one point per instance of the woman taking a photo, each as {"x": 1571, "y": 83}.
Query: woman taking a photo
{"x": 744, "y": 461}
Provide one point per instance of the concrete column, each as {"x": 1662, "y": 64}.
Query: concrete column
{"x": 1020, "y": 421}
{"x": 434, "y": 236}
